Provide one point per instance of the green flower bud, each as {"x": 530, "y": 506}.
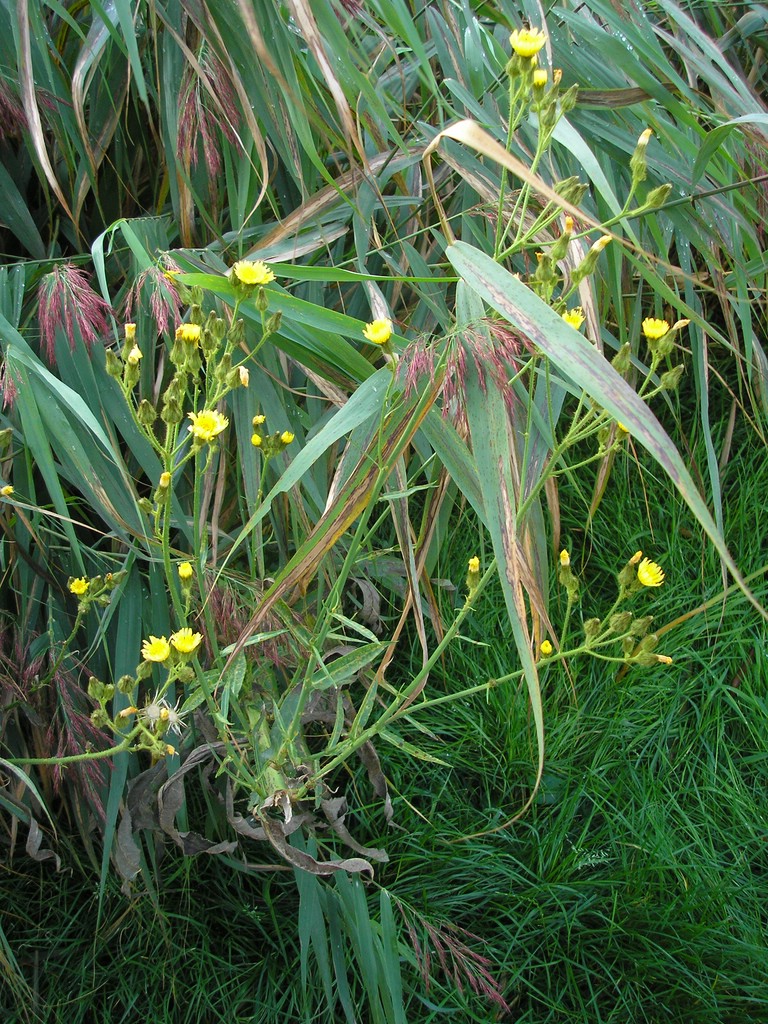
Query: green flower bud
{"x": 272, "y": 325}
{"x": 620, "y": 622}
{"x": 657, "y": 197}
{"x": 671, "y": 379}
{"x": 146, "y": 413}
{"x": 99, "y": 717}
{"x": 126, "y": 684}
{"x": 262, "y": 300}
{"x": 114, "y": 365}
{"x": 592, "y": 628}
{"x": 622, "y": 361}
{"x": 172, "y": 411}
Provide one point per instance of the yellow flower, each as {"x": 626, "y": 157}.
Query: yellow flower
{"x": 207, "y": 424}
{"x": 664, "y": 659}
{"x": 185, "y": 570}
{"x": 574, "y": 317}
{"x": 474, "y": 565}
{"x": 286, "y": 437}
{"x": 636, "y": 558}
{"x": 130, "y": 332}
{"x": 185, "y": 641}
{"x": 257, "y": 440}
{"x": 245, "y": 376}
{"x": 165, "y": 480}
{"x": 565, "y": 558}
{"x": 252, "y": 272}
{"x": 378, "y": 332}
{"x": 156, "y": 648}
{"x": 622, "y": 428}
{"x": 650, "y": 574}
{"x": 6, "y": 491}
{"x": 188, "y": 332}
{"x": 79, "y": 586}
{"x": 654, "y": 329}
{"x": 135, "y": 355}
{"x": 540, "y": 77}
{"x": 258, "y": 420}
{"x": 526, "y": 42}
{"x": 546, "y": 648}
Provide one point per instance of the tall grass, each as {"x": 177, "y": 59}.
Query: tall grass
{"x": 387, "y": 166}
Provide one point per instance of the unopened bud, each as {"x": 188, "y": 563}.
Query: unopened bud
{"x": 671, "y": 379}
{"x": 622, "y": 361}
{"x": 657, "y": 197}
{"x": 146, "y": 413}
{"x": 637, "y": 163}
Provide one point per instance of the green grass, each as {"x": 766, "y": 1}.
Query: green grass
{"x": 633, "y": 887}
{"x": 632, "y": 890}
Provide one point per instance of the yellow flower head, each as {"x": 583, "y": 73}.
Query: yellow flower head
{"x": 654, "y": 329}
{"x": 185, "y": 641}
{"x": 79, "y": 586}
{"x": 165, "y": 480}
{"x": 185, "y": 570}
{"x": 636, "y": 558}
{"x": 156, "y": 648}
{"x": 130, "y": 332}
{"x": 540, "y": 77}
{"x": 188, "y": 332}
{"x": 664, "y": 659}
{"x": 6, "y": 491}
{"x": 574, "y": 317}
{"x": 206, "y": 425}
{"x": 650, "y": 574}
{"x": 135, "y": 355}
{"x": 258, "y": 420}
{"x": 378, "y": 332}
{"x": 286, "y": 437}
{"x": 474, "y": 565}
{"x": 245, "y": 376}
{"x": 252, "y": 272}
{"x": 526, "y": 42}
{"x": 545, "y": 649}
{"x": 565, "y": 558}
{"x": 257, "y": 440}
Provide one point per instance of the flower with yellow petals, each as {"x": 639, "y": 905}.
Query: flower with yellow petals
{"x": 378, "y": 332}
{"x": 664, "y": 659}
{"x": 130, "y": 332}
{"x": 135, "y": 356}
{"x": 526, "y": 42}
{"x": 565, "y": 558}
{"x": 257, "y": 440}
{"x": 540, "y": 77}
{"x": 79, "y": 586}
{"x": 258, "y": 420}
{"x": 165, "y": 480}
{"x": 156, "y": 649}
{"x": 287, "y": 437}
{"x": 574, "y": 317}
{"x": 474, "y": 565}
{"x": 245, "y": 376}
{"x": 6, "y": 491}
{"x": 252, "y": 272}
{"x": 207, "y": 425}
{"x": 654, "y": 329}
{"x": 650, "y": 574}
{"x": 185, "y": 570}
{"x": 545, "y": 649}
{"x": 636, "y": 558}
{"x": 185, "y": 641}
{"x": 188, "y": 332}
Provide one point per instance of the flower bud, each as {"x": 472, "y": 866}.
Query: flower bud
{"x": 657, "y": 197}
{"x": 671, "y": 379}
{"x": 622, "y": 361}
{"x": 126, "y": 684}
{"x": 146, "y": 413}
{"x": 592, "y": 628}
{"x": 637, "y": 163}
{"x": 114, "y": 366}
